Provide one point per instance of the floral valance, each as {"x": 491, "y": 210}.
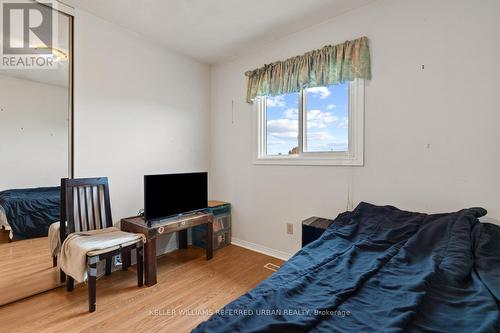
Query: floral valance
{"x": 331, "y": 64}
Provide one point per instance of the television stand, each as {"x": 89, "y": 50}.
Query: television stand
{"x": 179, "y": 224}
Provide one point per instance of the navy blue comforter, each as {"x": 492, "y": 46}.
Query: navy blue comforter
{"x": 30, "y": 212}
{"x": 380, "y": 269}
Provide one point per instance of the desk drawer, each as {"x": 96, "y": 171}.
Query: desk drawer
{"x": 169, "y": 227}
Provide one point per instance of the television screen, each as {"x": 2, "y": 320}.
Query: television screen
{"x": 174, "y": 194}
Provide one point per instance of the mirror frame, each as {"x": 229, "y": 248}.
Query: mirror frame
{"x": 68, "y": 11}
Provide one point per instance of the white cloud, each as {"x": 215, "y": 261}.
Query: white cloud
{"x": 331, "y": 106}
{"x": 275, "y": 101}
{"x": 324, "y": 141}
{"x": 320, "y": 119}
{"x": 283, "y": 128}
{"x": 320, "y": 136}
{"x": 321, "y": 92}
{"x": 291, "y": 113}
{"x": 277, "y": 142}
{"x": 283, "y": 132}
{"x": 343, "y": 123}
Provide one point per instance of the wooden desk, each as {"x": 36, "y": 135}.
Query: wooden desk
{"x": 180, "y": 225}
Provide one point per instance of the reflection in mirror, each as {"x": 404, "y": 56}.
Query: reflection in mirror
{"x": 35, "y": 117}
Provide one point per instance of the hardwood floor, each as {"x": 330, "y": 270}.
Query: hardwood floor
{"x": 186, "y": 282}
{"x": 26, "y": 269}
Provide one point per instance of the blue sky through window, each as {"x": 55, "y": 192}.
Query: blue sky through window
{"x": 327, "y": 117}
{"x": 282, "y": 123}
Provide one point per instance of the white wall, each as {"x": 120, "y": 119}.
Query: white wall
{"x": 139, "y": 109}
{"x": 451, "y": 105}
{"x": 33, "y": 133}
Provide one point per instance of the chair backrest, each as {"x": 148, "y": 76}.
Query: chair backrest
{"x": 85, "y": 205}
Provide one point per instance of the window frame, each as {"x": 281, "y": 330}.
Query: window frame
{"x": 353, "y": 157}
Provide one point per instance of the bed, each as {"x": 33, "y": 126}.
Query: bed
{"x": 379, "y": 268}
{"x": 28, "y": 213}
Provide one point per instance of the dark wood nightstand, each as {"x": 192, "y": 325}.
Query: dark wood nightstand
{"x": 313, "y": 228}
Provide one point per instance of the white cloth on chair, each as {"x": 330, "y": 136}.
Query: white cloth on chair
{"x": 4, "y": 223}
{"x": 74, "y": 250}
{"x": 54, "y": 239}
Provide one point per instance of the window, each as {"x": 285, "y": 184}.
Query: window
{"x": 318, "y": 126}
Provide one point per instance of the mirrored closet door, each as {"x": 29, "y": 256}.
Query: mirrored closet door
{"x": 35, "y": 141}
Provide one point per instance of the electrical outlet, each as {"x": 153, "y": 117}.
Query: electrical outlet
{"x": 289, "y": 228}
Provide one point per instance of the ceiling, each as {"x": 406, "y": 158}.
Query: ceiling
{"x": 212, "y": 31}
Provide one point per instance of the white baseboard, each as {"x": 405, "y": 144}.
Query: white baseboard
{"x": 261, "y": 249}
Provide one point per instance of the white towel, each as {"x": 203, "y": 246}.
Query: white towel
{"x": 54, "y": 239}
{"x": 73, "y": 255}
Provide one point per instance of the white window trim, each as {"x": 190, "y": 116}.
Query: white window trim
{"x": 353, "y": 157}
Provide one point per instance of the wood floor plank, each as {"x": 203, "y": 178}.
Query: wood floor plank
{"x": 26, "y": 269}
{"x": 186, "y": 282}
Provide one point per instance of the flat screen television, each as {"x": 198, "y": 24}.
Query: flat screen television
{"x": 174, "y": 194}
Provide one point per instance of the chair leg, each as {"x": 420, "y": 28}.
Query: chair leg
{"x": 108, "y": 266}
{"x": 54, "y": 261}
{"x": 92, "y": 276}
{"x": 70, "y": 283}
{"x": 140, "y": 263}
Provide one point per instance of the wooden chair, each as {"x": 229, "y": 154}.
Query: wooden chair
{"x": 85, "y": 206}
